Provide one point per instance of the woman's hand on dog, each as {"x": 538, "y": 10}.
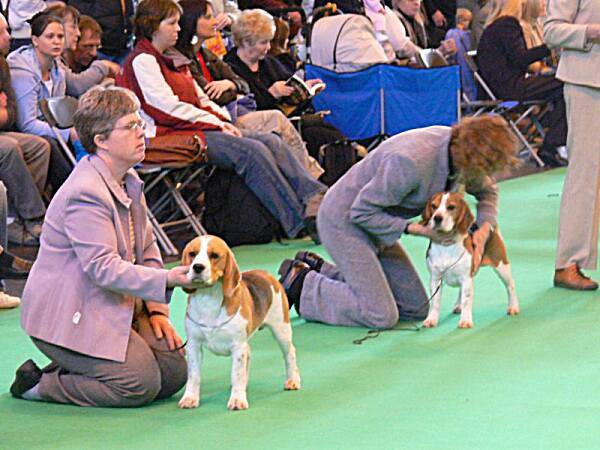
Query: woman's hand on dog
{"x": 162, "y": 328}
{"x": 422, "y": 230}
{"x": 177, "y": 277}
{"x": 480, "y": 237}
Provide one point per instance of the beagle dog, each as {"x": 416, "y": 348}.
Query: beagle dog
{"x": 449, "y": 214}
{"x": 224, "y": 310}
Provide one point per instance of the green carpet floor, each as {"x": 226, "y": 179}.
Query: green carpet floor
{"x": 529, "y": 382}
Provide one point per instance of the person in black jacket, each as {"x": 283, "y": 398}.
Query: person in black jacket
{"x": 267, "y": 77}
{"x": 503, "y": 59}
{"x": 115, "y": 17}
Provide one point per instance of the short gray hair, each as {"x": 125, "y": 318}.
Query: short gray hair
{"x": 251, "y": 26}
{"x": 99, "y": 110}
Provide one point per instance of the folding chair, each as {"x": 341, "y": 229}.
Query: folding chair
{"x": 59, "y": 111}
{"x": 524, "y": 110}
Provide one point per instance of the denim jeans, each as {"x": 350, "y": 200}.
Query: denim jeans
{"x": 271, "y": 172}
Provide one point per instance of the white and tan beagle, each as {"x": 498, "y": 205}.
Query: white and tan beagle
{"x": 449, "y": 214}
{"x": 225, "y": 310}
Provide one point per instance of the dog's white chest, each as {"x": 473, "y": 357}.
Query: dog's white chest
{"x": 450, "y": 263}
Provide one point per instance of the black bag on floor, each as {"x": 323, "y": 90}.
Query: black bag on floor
{"x": 336, "y": 158}
{"x": 235, "y": 214}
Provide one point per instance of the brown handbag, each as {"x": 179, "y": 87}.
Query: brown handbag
{"x": 177, "y": 150}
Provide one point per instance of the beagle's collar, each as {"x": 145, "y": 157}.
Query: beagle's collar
{"x": 211, "y": 327}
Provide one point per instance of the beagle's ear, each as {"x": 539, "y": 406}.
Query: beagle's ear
{"x": 465, "y": 218}
{"x": 232, "y": 276}
{"x": 428, "y": 211}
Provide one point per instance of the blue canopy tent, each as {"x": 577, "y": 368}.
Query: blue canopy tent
{"x": 386, "y": 100}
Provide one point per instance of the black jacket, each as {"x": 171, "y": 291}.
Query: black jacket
{"x": 503, "y": 58}
{"x": 117, "y": 25}
{"x": 269, "y": 71}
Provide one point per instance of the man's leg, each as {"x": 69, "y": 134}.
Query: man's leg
{"x": 22, "y": 191}
{"x": 36, "y": 153}
{"x": 580, "y": 202}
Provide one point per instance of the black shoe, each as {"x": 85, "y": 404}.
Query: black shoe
{"x": 310, "y": 225}
{"x": 292, "y": 278}
{"x": 27, "y": 376}
{"x": 12, "y": 267}
{"x": 312, "y": 259}
{"x": 552, "y": 159}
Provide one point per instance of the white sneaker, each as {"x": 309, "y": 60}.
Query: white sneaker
{"x": 8, "y": 301}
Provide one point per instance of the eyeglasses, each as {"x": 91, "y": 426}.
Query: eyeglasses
{"x": 133, "y": 126}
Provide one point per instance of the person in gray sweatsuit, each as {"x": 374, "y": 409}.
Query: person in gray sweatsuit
{"x": 362, "y": 217}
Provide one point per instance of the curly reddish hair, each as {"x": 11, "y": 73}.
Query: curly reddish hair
{"x": 482, "y": 146}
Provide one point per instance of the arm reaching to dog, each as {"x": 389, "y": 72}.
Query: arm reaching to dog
{"x": 417, "y": 229}
{"x": 480, "y": 238}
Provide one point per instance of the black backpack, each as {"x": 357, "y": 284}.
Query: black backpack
{"x": 235, "y": 214}
{"x": 336, "y": 158}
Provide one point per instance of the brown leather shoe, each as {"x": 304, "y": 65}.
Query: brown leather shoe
{"x": 571, "y": 278}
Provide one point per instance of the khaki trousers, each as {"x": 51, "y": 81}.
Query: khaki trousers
{"x": 580, "y": 203}
{"x": 274, "y": 121}
{"x": 149, "y": 372}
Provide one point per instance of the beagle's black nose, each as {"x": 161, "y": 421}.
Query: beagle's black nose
{"x": 437, "y": 219}
{"x": 198, "y": 268}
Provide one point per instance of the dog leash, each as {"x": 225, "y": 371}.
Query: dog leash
{"x": 375, "y": 333}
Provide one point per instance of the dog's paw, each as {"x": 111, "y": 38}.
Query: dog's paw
{"x": 430, "y": 323}
{"x": 236, "y": 404}
{"x": 292, "y": 384}
{"x": 513, "y": 310}
{"x": 457, "y": 310}
{"x": 465, "y": 324}
{"x": 188, "y": 402}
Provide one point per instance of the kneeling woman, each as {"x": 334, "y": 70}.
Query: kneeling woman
{"x": 373, "y": 283}
{"x": 96, "y": 299}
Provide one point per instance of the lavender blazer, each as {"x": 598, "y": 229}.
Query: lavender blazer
{"x": 81, "y": 291}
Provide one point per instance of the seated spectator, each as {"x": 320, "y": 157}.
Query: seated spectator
{"x": 533, "y": 33}
{"x": 11, "y": 267}
{"x": 481, "y": 12}
{"x": 96, "y": 300}
{"x": 440, "y": 15}
{"x": 276, "y": 6}
{"x": 36, "y": 74}
{"x": 24, "y": 160}
{"x": 503, "y": 59}
{"x": 280, "y": 48}
{"x": 116, "y": 20}
{"x": 86, "y": 50}
{"x": 19, "y": 13}
{"x": 378, "y": 36}
{"x": 412, "y": 21}
{"x": 252, "y": 34}
{"x": 461, "y": 35}
{"x": 173, "y": 104}
{"x": 226, "y": 88}
{"x": 98, "y": 70}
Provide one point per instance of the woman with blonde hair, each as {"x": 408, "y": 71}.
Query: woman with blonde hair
{"x": 266, "y": 76}
{"x": 503, "y": 59}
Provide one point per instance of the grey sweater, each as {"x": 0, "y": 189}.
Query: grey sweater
{"x": 395, "y": 181}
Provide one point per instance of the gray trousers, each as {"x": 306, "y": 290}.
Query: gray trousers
{"x": 3, "y": 215}
{"x": 366, "y": 287}
{"x": 149, "y": 372}
{"x": 580, "y": 202}
{"x": 23, "y": 169}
